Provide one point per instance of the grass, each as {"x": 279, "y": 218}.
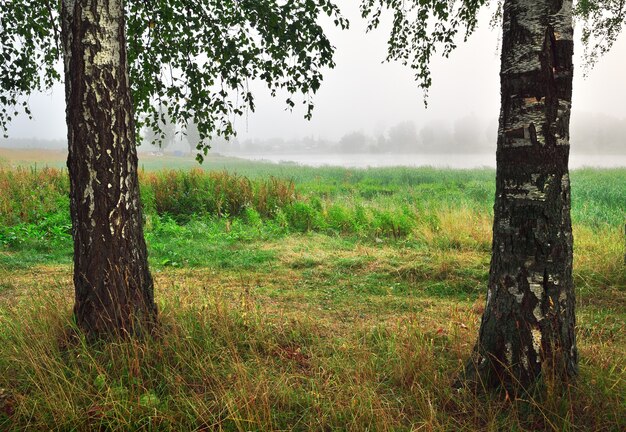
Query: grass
{"x": 348, "y": 303}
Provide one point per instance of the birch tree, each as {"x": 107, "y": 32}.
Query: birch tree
{"x": 123, "y": 58}
{"x": 528, "y": 326}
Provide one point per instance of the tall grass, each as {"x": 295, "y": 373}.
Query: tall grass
{"x": 30, "y": 194}
{"x": 227, "y": 361}
{"x": 380, "y": 202}
{"x": 295, "y": 298}
{"x": 182, "y": 194}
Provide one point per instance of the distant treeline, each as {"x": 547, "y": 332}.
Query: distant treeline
{"x": 597, "y": 133}
{"x": 467, "y": 135}
{"x": 590, "y": 133}
{"x": 33, "y": 143}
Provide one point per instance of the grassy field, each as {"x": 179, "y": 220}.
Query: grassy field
{"x": 296, "y": 298}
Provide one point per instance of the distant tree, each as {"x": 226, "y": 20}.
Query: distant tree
{"x": 194, "y": 57}
{"x": 435, "y": 136}
{"x": 491, "y": 131}
{"x": 218, "y": 143}
{"x": 309, "y": 143}
{"x": 528, "y": 327}
{"x": 164, "y": 136}
{"x": 192, "y": 135}
{"x": 403, "y": 137}
{"x": 467, "y": 134}
{"x": 354, "y": 142}
{"x": 380, "y": 144}
{"x": 275, "y": 144}
{"x": 233, "y": 145}
{"x": 599, "y": 133}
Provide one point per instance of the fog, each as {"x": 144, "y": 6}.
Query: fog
{"x": 365, "y": 104}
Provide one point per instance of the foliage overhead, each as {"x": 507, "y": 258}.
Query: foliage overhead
{"x": 194, "y": 57}
{"x": 164, "y": 136}
{"x": 221, "y": 46}
{"x": 192, "y": 134}
{"x": 29, "y": 52}
{"x": 602, "y": 22}
{"x": 421, "y": 27}
{"x": 197, "y": 58}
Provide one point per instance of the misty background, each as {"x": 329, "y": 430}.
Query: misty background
{"x": 368, "y": 106}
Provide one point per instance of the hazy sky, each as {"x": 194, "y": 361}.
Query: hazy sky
{"x": 362, "y": 93}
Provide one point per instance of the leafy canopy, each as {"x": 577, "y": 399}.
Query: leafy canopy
{"x": 29, "y": 52}
{"x": 196, "y": 58}
{"x": 192, "y": 60}
{"x": 421, "y": 27}
{"x": 602, "y": 22}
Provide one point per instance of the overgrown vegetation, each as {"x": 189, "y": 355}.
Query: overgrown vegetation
{"x": 295, "y": 298}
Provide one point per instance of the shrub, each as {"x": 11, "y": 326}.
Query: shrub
{"x": 300, "y": 215}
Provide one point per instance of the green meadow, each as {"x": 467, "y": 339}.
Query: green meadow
{"x": 298, "y": 298}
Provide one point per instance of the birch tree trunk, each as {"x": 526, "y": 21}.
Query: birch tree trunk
{"x": 113, "y": 286}
{"x": 527, "y": 329}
